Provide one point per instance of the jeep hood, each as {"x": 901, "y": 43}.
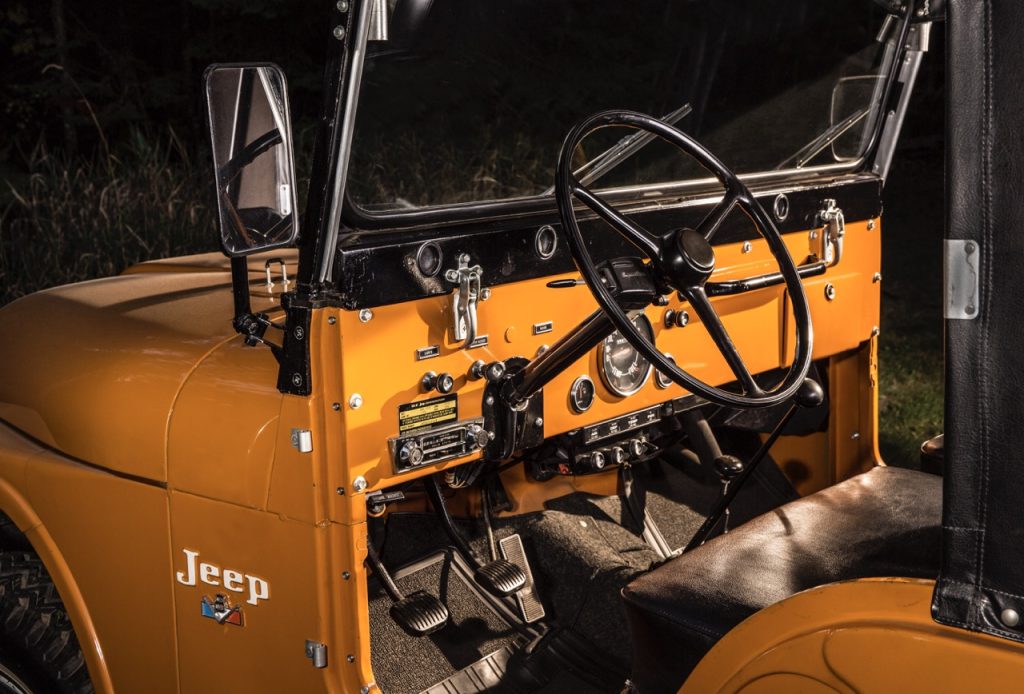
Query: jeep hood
{"x": 94, "y": 369}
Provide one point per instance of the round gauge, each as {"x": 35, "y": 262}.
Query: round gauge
{"x": 662, "y": 380}
{"x": 623, "y": 369}
{"x": 581, "y": 394}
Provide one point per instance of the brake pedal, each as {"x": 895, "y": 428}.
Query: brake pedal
{"x": 528, "y": 598}
{"x": 500, "y": 577}
{"x": 419, "y": 613}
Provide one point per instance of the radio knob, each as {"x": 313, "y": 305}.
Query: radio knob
{"x": 411, "y": 453}
{"x": 619, "y": 455}
{"x": 598, "y": 460}
{"x": 637, "y": 447}
{"x": 477, "y": 436}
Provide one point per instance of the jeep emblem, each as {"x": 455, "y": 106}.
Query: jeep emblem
{"x": 213, "y": 575}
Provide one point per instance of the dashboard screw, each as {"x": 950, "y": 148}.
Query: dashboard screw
{"x": 830, "y": 291}
{"x": 359, "y": 484}
{"x": 340, "y": 491}
{"x": 335, "y": 406}
{"x": 339, "y": 32}
{"x": 346, "y": 575}
{"x": 356, "y": 401}
{"x": 342, "y": 5}
{"x": 485, "y": 294}
{"x": 296, "y": 380}
{"x": 350, "y": 658}
{"x": 871, "y": 225}
{"x": 365, "y": 316}
{"x": 299, "y": 332}
{"x": 539, "y": 421}
{"x": 747, "y": 247}
{"x": 331, "y": 320}
{"x": 877, "y": 277}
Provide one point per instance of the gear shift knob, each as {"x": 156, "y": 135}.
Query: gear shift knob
{"x": 728, "y": 467}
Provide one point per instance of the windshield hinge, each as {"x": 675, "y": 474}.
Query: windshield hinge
{"x": 464, "y": 300}
{"x": 827, "y": 241}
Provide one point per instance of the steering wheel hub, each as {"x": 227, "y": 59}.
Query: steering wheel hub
{"x": 697, "y": 256}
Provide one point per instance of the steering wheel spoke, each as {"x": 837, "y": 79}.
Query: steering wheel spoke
{"x": 713, "y": 221}
{"x": 646, "y": 241}
{"x": 713, "y": 324}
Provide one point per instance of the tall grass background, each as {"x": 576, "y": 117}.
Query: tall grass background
{"x": 67, "y": 219}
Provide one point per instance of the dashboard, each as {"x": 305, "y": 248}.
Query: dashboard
{"x": 414, "y": 397}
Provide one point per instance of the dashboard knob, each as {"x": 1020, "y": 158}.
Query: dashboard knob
{"x": 445, "y": 383}
{"x": 411, "y": 453}
{"x": 477, "y": 436}
{"x": 619, "y": 455}
{"x": 637, "y": 447}
{"x": 492, "y": 372}
{"x": 598, "y": 460}
{"x": 728, "y": 467}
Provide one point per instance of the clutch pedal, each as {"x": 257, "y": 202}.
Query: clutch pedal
{"x": 528, "y": 598}
{"x": 419, "y": 613}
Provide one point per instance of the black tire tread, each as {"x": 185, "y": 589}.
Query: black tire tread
{"x": 35, "y": 625}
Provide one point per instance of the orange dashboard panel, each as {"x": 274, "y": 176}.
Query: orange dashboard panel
{"x": 388, "y": 351}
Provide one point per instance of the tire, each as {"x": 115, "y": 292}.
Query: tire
{"x": 38, "y": 648}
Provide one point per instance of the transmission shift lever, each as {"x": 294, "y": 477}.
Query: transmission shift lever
{"x": 809, "y": 395}
{"x": 728, "y": 468}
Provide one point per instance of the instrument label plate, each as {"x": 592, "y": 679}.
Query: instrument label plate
{"x": 413, "y": 416}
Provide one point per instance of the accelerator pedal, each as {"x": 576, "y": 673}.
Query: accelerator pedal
{"x": 419, "y": 614}
{"x": 528, "y": 598}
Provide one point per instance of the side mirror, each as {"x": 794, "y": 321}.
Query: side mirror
{"x": 852, "y": 114}
{"x": 251, "y": 133}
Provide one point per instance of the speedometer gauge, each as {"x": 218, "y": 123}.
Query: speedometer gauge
{"x": 624, "y": 370}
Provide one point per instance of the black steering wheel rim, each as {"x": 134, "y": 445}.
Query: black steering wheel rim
{"x": 665, "y": 255}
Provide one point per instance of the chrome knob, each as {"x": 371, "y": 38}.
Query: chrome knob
{"x": 637, "y": 447}
{"x": 619, "y": 455}
{"x": 598, "y": 460}
{"x": 477, "y": 436}
{"x": 411, "y": 453}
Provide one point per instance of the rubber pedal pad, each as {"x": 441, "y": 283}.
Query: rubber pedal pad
{"x": 419, "y": 614}
{"x": 500, "y": 578}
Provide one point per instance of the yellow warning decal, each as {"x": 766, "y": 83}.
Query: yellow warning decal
{"x": 414, "y": 416}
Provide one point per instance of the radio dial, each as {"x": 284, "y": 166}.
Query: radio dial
{"x": 477, "y": 436}
{"x": 411, "y": 454}
{"x": 619, "y": 455}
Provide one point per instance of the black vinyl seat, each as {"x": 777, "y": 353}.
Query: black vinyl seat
{"x": 886, "y": 522}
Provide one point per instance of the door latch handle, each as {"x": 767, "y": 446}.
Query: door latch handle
{"x": 464, "y": 300}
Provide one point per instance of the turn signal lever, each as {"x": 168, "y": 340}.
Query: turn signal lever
{"x": 810, "y": 394}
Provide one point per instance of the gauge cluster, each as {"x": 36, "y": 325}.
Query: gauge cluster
{"x": 624, "y": 370}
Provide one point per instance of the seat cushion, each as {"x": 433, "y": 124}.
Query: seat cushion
{"x": 886, "y": 522}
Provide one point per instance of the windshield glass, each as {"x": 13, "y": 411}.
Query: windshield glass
{"x": 472, "y": 105}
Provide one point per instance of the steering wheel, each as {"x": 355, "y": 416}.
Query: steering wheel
{"x": 683, "y": 260}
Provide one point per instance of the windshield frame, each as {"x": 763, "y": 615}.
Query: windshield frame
{"x": 355, "y": 218}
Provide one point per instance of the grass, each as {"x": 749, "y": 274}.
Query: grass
{"x": 71, "y": 219}
{"x": 911, "y": 340}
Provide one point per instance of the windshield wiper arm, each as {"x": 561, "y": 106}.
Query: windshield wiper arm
{"x": 621, "y": 151}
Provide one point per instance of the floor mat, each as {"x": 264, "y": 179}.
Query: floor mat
{"x": 403, "y": 664}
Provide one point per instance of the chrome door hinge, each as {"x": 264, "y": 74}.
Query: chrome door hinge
{"x": 317, "y": 653}
{"x": 302, "y": 440}
{"x": 464, "y": 300}
{"x": 963, "y": 270}
{"x": 827, "y": 240}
